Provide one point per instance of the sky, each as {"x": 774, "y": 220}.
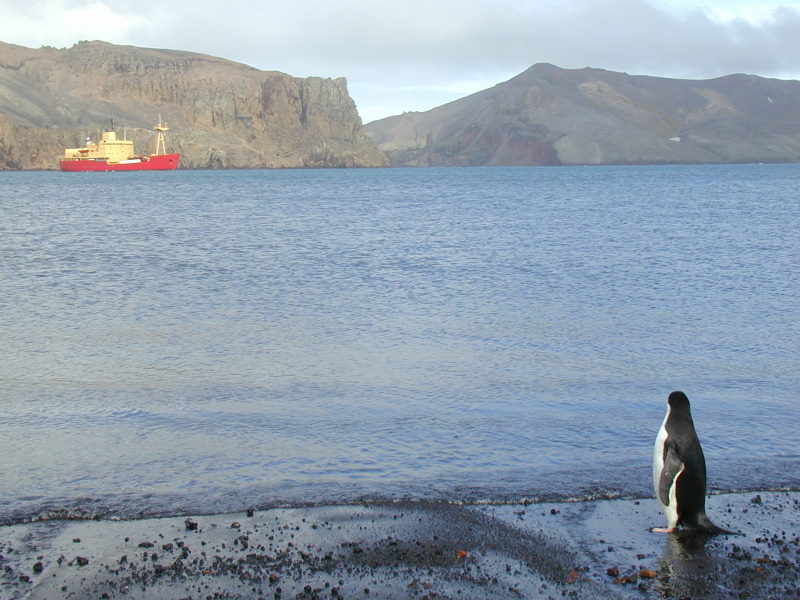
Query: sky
{"x": 413, "y": 55}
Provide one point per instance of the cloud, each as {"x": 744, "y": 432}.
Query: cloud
{"x": 419, "y": 53}
{"x": 62, "y": 23}
{"x": 435, "y": 36}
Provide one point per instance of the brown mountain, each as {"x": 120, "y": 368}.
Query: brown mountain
{"x": 220, "y": 113}
{"x": 548, "y": 115}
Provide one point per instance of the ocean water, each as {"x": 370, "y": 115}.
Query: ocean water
{"x": 206, "y": 341}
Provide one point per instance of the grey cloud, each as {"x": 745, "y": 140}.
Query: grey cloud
{"x": 384, "y": 49}
{"x": 387, "y": 50}
{"x": 425, "y": 39}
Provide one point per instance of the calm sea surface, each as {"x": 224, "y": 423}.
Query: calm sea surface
{"x": 203, "y": 341}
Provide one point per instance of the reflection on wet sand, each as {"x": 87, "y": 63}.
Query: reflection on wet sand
{"x": 689, "y": 566}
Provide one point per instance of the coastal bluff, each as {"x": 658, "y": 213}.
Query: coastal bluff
{"x": 221, "y": 114}
{"x": 553, "y": 116}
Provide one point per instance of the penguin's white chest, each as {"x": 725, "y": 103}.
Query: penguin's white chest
{"x": 670, "y": 510}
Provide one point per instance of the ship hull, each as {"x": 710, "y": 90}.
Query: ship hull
{"x": 162, "y": 162}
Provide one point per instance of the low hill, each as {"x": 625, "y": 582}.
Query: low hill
{"x": 221, "y": 114}
{"x": 550, "y": 116}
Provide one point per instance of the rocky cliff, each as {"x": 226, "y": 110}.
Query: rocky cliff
{"x": 221, "y": 114}
{"x": 549, "y": 116}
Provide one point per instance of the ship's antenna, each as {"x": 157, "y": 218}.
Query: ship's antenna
{"x": 161, "y": 147}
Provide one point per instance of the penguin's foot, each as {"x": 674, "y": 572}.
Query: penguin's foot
{"x": 704, "y": 525}
{"x": 714, "y": 531}
{"x": 662, "y": 529}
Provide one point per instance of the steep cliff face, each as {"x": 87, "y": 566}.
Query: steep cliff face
{"x": 548, "y": 115}
{"x": 221, "y": 114}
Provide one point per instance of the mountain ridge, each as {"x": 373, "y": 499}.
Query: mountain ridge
{"x": 547, "y": 115}
{"x": 225, "y": 114}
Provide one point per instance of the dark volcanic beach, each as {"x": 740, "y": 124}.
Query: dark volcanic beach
{"x": 594, "y": 549}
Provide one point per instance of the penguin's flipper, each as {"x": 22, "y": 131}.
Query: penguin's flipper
{"x": 672, "y": 467}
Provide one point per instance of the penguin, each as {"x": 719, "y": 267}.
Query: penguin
{"x": 679, "y": 471}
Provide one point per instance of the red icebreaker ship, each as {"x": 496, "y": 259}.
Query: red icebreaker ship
{"x": 112, "y": 154}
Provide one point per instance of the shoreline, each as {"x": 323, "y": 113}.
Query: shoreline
{"x": 592, "y": 549}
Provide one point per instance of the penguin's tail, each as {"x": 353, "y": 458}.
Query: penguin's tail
{"x": 704, "y": 525}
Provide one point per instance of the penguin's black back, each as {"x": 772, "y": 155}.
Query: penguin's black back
{"x": 691, "y": 484}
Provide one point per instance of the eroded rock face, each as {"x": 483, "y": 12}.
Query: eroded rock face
{"x": 549, "y": 115}
{"x": 221, "y": 114}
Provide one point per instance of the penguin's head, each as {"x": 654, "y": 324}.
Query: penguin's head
{"x": 678, "y": 403}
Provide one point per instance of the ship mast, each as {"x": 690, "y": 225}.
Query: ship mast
{"x": 161, "y": 147}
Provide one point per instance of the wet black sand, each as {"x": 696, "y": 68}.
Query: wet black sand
{"x": 599, "y": 549}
